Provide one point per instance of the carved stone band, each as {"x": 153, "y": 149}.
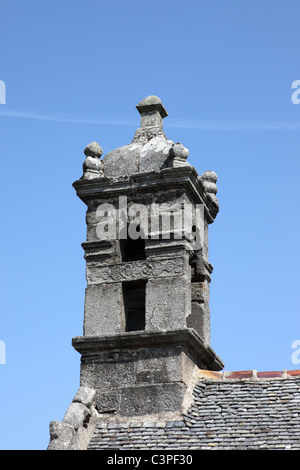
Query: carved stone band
{"x": 133, "y": 270}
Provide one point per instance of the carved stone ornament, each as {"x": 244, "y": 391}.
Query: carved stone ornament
{"x": 93, "y": 166}
{"x": 133, "y": 270}
{"x": 179, "y": 153}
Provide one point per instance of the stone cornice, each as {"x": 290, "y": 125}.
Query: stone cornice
{"x": 186, "y": 339}
{"x": 165, "y": 180}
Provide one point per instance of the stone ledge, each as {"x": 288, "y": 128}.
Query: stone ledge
{"x": 186, "y": 339}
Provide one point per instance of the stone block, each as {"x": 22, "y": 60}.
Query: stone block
{"x": 198, "y": 292}
{"x": 104, "y": 373}
{"x": 76, "y": 415}
{"x": 149, "y": 399}
{"x": 199, "y": 320}
{"x": 168, "y": 303}
{"x": 107, "y": 402}
{"x": 103, "y": 310}
{"x": 85, "y": 395}
{"x": 62, "y": 436}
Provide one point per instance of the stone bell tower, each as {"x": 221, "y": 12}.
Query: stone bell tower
{"x": 146, "y": 318}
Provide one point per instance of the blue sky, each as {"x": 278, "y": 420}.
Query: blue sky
{"x": 74, "y": 72}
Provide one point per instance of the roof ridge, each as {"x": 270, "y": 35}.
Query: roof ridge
{"x": 248, "y": 374}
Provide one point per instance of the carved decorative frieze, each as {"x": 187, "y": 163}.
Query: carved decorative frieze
{"x": 134, "y": 270}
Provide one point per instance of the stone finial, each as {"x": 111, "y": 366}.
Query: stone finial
{"x": 152, "y": 112}
{"x": 208, "y": 180}
{"x": 92, "y": 166}
{"x": 152, "y": 103}
{"x": 179, "y": 154}
{"x": 93, "y": 150}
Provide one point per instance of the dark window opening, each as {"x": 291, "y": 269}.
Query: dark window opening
{"x": 133, "y": 250}
{"x": 134, "y": 294}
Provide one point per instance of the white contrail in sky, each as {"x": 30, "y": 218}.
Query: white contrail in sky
{"x": 169, "y": 123}
{"x": 64, "y": 118}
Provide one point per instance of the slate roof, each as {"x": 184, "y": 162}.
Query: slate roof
{"x": 245, "y": 410}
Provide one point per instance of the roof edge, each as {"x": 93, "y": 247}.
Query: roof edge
{"x": 247, "y": 374}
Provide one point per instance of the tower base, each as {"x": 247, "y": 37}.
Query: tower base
{"x": 142, "y": 372}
